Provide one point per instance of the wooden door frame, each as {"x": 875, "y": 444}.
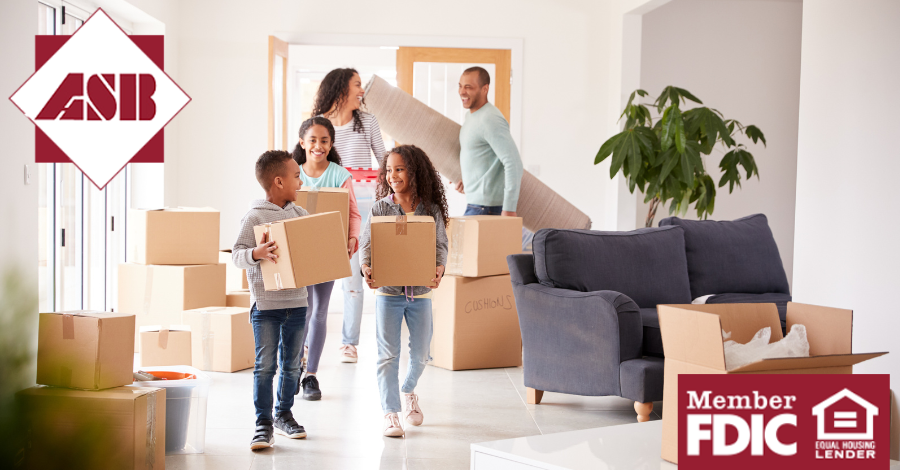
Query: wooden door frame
{"x": 277, "y": 47}
{"x": 502, "y": 58}
{"x": 515, "y": 45}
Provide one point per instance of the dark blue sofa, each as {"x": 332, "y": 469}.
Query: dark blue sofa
{"x": 587, "y": 299}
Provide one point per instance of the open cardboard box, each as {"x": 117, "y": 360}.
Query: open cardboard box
{"x": 692, "y": 339}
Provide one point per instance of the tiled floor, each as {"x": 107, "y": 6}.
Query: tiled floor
{"x": 345, "y": 426}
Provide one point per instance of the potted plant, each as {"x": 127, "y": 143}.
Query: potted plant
{"x": 662, "y": 156}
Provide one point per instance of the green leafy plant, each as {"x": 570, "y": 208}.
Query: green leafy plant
{"x": 661, "y": 156}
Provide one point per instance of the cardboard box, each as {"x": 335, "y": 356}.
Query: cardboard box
{"x": 479, "y": 244}
{"x": 403, "y": 250}
{"x": 238, "y": 299}
{"x": 475, "y": 324}
{"x": 321, "y": 200}
{"x": 221, "y": 338}
{"x": 165, "y": 346}
{"x": 692, "y": 337}
{"x": 85, "y": 350}
{"x": 235, "y": 277}
{"x": 311, "y": 250}
{"x": 115, "y": 429}
{"x": 157, "y": 295}
{"x": 178, "y": 235}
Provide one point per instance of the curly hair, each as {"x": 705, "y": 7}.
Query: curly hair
{"x": 333, "y": 93}
{"x": 425, "y": 182}
{"x": 299, "y": 152}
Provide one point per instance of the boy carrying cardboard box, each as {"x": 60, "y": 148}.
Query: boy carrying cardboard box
{"x": 278, "y": 317}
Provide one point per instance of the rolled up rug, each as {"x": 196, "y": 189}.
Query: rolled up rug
{"x": 410, "y": 121}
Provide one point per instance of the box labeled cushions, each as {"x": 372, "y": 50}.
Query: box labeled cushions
{"x": 403, "y": 250}
{"x": 235, "y": 277}
{"x": 181, "y": 235}
{"x": 475, "y": 324}
{"x": 221, "y": 338}
{"x": 311, "y": 249}
{"x": 85, "y": 350}
{"x": 117, "y": 429}
{"x": 238, "y": 299}
{"x": 157, "y": 295}
{"x": 165, "y": 346}
{"x": 321, "y": 200}
{"x": 479, "y": 244}
{"x": 692, "y": 335}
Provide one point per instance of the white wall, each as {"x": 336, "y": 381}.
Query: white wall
{"x": 18, "y": 201}
{"x": 846, "y": 252}
{"x": 742, "y": 58}
{"x": 223, "y": 66}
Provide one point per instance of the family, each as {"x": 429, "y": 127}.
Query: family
{"x": 289, "y": 326}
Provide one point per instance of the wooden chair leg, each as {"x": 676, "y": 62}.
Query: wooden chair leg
{"x": 643, "y": 411}
{"x": 534, "y": 396}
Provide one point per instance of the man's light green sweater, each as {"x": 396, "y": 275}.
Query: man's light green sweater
{"x": 491, "y": 166}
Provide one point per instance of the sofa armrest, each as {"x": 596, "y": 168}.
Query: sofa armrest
{"x": 573, "y": 342}
{"x": 521, "y": 268}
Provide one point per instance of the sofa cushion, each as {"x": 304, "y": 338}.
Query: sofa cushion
{"x": 731, "y": 256}
{"x": 780, "y": 301}
{"x": 652, "y": 336}
{"x": 648, "y": 264}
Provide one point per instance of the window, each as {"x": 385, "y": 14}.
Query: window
{"x": 81, "y": 229}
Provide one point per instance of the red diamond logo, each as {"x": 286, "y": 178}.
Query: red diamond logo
{"x": 100, "y": 99}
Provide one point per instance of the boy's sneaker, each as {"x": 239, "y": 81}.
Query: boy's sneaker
{"x": 287, "y": 426}
{"x": 392, "y": 426}
{"x": 311, "y": 390}
{"x": 264, "y": 436}
{"x": 413, "y": 413}
{"x": 348, "y": 353}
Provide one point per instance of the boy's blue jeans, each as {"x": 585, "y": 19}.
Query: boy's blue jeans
{"x": 279, "y": 344}
{"x": 389, "y": 314}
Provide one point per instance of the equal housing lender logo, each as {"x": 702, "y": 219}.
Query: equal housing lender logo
{"x": 99, "y": 99}
{"x": 784, "y": 421}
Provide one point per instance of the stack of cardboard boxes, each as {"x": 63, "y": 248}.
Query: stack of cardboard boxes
{"x": 237, "y": 289}
{"x": 174, "y": 267}
{"x": 81, "y": 413}
{"x": 475, "y": 321}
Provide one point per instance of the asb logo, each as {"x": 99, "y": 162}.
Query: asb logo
{"x": 783, "y": 421}
{"x": 99, "y": 99}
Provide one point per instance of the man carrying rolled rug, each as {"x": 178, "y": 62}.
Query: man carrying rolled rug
{"x": 490, "y": 162}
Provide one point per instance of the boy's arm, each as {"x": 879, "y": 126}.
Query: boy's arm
{"x": 242, "y": 252}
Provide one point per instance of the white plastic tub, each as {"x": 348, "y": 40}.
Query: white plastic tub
{"x": 187, "y": 391}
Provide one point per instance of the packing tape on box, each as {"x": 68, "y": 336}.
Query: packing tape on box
{"x": 312, "y": 200}
{"x": 400, "y": 225}
{"x": 151, "y": 430}
{"x": 163, "y": 338}
{"x": 207, "y": 337}
{"x": 68, "y": 326}
{"x": 457, "y": 244}
{"x": 410, "y": 121}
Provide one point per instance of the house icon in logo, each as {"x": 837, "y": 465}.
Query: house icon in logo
{"x": 844, "y": 419}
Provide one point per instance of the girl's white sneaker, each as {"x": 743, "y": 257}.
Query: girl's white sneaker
{"x": 413, "y": 413}
{"x": 392, "y": 426}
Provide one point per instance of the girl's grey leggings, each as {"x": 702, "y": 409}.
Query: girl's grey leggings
{"x": 316, "y": 322}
